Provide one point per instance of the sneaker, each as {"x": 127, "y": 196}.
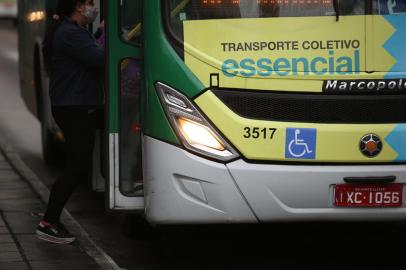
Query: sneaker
{"x": 54, "y": 233}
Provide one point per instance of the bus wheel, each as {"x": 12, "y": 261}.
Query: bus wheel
{"x": 52, "y": 151}
{"x": 52, "y": 148}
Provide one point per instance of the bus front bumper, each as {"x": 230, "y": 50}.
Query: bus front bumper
{"x": 183, "y": 188}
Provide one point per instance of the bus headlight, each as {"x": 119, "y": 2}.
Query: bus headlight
{"x": 192, "y": 128}
{"x": 198, "y": 135}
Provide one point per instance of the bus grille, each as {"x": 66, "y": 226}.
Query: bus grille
{"x": 315, "y": 108}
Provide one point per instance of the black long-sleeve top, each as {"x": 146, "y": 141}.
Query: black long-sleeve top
{"x": 76, "y": 77}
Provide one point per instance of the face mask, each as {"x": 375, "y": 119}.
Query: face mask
{"x": 90, "y": 13}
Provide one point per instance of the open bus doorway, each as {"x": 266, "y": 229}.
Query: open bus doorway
{"x": 122, "y": 140}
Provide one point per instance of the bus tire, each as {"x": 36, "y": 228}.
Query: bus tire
{"x": 52, "y": 149}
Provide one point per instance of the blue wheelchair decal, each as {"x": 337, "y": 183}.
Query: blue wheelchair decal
{"x": 301, "y": 143}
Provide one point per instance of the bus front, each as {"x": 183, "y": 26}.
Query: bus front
{"x": 260, "y": 111}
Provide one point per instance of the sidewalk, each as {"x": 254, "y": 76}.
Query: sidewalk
{"x": 19, "y": 247}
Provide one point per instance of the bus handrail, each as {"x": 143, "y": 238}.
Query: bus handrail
{"x": 179, "y": 8}
{"x": 137, "y": 29}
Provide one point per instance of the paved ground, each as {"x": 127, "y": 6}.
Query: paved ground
{"x": 19, "y": 247}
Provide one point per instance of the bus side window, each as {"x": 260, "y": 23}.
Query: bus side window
{"x": 130, "y": 21}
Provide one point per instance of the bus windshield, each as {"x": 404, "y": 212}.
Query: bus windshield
{"x": 234, "y": 9}
{"x": 186, "y": 10}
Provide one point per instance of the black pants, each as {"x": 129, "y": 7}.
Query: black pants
{"x": 79, "y": 126}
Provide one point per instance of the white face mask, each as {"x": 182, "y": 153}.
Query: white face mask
{"x": 90, "y": 13}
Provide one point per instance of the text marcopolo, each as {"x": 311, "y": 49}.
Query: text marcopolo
{"x": 384, "y": 85}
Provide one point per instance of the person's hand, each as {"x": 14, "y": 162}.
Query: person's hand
{"x": 101, "y": 35}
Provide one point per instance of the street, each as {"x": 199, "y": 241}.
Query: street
{"x": 134, "y": 245}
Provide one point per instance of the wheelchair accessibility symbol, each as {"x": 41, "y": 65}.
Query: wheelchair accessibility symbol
{"x": 301, "y": 143}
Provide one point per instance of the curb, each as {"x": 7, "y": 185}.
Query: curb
{"x": 90, "y": 247}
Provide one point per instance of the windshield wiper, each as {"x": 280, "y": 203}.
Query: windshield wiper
{"x": 336, "y": 5}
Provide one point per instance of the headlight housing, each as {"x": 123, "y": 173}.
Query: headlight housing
{"x": 194, "y": 131}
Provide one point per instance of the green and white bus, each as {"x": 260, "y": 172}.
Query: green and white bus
{"x": 245, "y": 111}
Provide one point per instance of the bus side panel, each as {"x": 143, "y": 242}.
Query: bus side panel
{"x": 30, "y": 35}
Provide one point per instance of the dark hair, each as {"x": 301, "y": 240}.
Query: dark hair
{"x": 64, "y": 8}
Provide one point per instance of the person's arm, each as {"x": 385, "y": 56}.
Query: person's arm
{"x": 80, "y": 45}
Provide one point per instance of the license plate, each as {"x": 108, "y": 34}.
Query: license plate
{"x": 368, "y": 195}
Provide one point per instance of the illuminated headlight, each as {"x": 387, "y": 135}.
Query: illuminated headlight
{"x": 192, "y": 128}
